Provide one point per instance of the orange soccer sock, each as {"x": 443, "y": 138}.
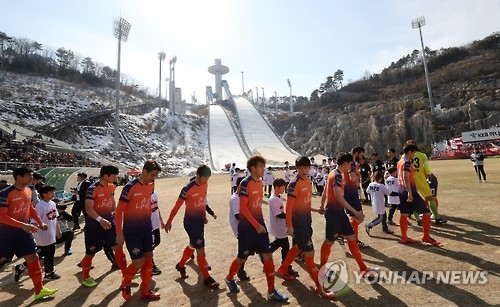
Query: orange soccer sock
{"x": 86, "y": 265}
{"x": 35, "y": 273}
{"x": 188, "y": 252}
{"x": 269, "y": 270}
{"x": 356, "y": 254}
{"x": 233, "y": 269}
{"x": 290, "y": 257}
{"x": 325, "y": 253}
{"x": 355, "y": 225}
{"x": 146, "y": 275}
{"x": 312, "y": 270}
{"x": 129, "y": 274}
{"x": 121, "y": 260}
{"x": 426, "y": 226}
{"x": 203, "y": 265}
{"x": 403, "y": 224}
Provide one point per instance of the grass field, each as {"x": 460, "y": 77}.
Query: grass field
{"x": 471, "y": 241}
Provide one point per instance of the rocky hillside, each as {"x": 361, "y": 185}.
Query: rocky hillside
{"x": 378, "y": 115}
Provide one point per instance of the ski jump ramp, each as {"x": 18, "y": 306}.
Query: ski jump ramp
{"x": 259, "y": 136}
{"x": 224, "y": 145}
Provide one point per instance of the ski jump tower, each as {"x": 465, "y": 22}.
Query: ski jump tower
{"x": 218, "y": 70}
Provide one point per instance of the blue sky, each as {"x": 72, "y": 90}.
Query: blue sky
{"x": 269, "y": 40}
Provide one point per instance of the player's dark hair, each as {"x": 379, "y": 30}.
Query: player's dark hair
{"x": 254, "y": 160}
{"x": 237, "y": 169}
{"x": 410, "y": 147}
{"x": 302, "y": 161}
{"x": 151, "y": 165}
{"x": 279, "y": 182}
{"x": 46, "y": 189}
{"x": 37, "y": 175}
{"x": 377, "y": 176}
{"x": 358, "y": 149}
{"x": 109, "y": 170}
{"x": 343, "y": 157}
{"x": 203, "y": 171}
{"x": 21, "y": 171}
{"x": 392, "y": 150}
{"x": 392, "y": 170}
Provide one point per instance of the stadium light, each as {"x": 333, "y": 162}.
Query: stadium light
{"x": 291, "y": 101}
{"x": 161, "y": 57}
{"x": 121, "y": 28}
{"x": 172, "y": 85}
{"x": 419, "y": 23}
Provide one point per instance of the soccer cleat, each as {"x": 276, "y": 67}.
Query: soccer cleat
{"x": 52, "y": 276}
{"x": 18, "y": 271}
{"x": 182, "y": 271}
{"x": 325, "y": 293}
{"x": 276, "y": 296}
{"x": 126, "y": 292}
{"x": 292, "y": 272}
{"x": 242, "y": 275}
{"x": 211, "y": 283}
{"x": 432, "y": 216}
{"x": 285, "y": 274}
{"x": 89, "y": 282}
{"x": 390, "y": 222}
{"x": 367, "y": 229}
{"x": 233, "y": 287}
{"x": 366, "y": 273}
{"x": 362, "y": 244}
{"x": 150, "y": 294}
{"x": 45, "y": 292}
{"x": 155, "y": 270}
{"x": 388, "y": 231}
{"x": 441, "y": 221}
{"x": 419, "y": 223}
{"x": 68, "y": 252}
{"x": 137, "y": 275}
{"x": 407, "y": 240}
{"x": 79, "y": 264}
{"x": 431, "y": 241}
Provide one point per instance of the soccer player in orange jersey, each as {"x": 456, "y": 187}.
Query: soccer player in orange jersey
{"x": 298, "y": 223}
{"x": 100, "y": 226}
{"x": 337, "y": 222}
{"x": 194, "y": 194}
{"x": 410, "y": 200}
{"x": 16, "y": 233}
{"x": 252, "y": 232}
{"x": 133, "y": 226}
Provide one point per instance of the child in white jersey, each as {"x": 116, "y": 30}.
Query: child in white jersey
{"x": 377, "y": 190}
{"x": 277, "y": 223}
{"x": 156, "y": 223}
{"x": 46, "y": 239}
{"x": 392, "y": 183}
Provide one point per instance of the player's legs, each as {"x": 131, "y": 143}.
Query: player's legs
{"x": 201, "y": 260}
{"x": 120, "y": 258}
{"x": 267, "y": 259}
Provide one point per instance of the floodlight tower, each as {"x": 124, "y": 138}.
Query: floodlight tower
{"x": 419, "y": 23}
{"x": 243, "y": 83}
{"x": 161, "y": 57}
{"x": 291, "y": 101}
{"x": 171, "y": 88}
{"x": 121, "y": 28}
{"x": 218, "y": 70}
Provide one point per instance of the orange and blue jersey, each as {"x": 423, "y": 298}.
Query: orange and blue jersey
{"x": 251, "y": 195}
{"x": 334, "y": 181}
{"x": 405, "y": 165}
{"x": 104, "y": 199}
{"x": 351, "y": 187}
{"x": 298, "y": 203}
{"x": 16, "y": 207}
{"x": 135, "y": 205}
{"x": 195, "y": 196}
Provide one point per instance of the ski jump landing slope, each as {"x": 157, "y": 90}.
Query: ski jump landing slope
{"x": 259, "y": 136}
{"x": 224, "y": 145}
